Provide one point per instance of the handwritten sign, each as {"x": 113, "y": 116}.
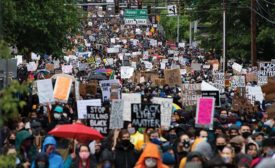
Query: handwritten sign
{"x": 238, "y": 81}
{"x": 45, "y": 91}
{"x": 126, "y": 72}
{"x": 129, "y": 98}
{"x": 62, "y": 88}
{"x": 190, "y": 94}
{"x": 67, "y": 69}
{"x": 266, "y": 69}
{"x": 31, "y": 66}
{"x": 106, "y": 88}
{"x": 82, "y": 107}
{"x": 166, "y": 107}
{"x": 237, "y": 67}
{"x": 98, "y": 118}
{"x": 146, "y": 115}
{"x": 219, "y": 81}
{"x": 205, "y": 112}
{"x": 262, "y": 80}
{"x": 116, "y": 118}
{"x": 172, "y": 77}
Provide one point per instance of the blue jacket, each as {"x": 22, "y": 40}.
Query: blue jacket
{"x": 55, "y": 160}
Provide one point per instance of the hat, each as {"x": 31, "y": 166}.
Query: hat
{"x": 257, "y": 134}
{"x": 168, "y": 158}
{"x": 58, "y": 109}
{"x": 269, "y": 142}
{"x": 233, "y": 127}
{"x": 237, "y": 140}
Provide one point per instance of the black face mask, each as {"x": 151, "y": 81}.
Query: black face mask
{"x": 237, "y": 149}
{"x": 12, "y": 141}
{"x": 220, "y": 147}
{"x": 125, "y": 142}
{"x": 186, "y": 144}
{"x": 172, "y": 137}
{"x": 246, "y": 134}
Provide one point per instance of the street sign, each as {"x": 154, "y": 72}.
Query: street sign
{"x": 172, "y": 10}
{"x": 135, "y": 16}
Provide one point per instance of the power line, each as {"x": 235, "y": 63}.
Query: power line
{"x": 269, "y": 2}
{"x": 270, "y": 21}
{"x": 262, "y": 8}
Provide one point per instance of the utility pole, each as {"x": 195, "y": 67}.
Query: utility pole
{"x": 253, "y": 34}
{"x": 178, "y": 23}
{"x": 224, "y": 36}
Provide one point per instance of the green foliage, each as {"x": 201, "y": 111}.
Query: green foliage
{"x": 7, "y": 161}
{"x": 4, "y": 50}
{"x": 10, "y": 101}
{"x": 39, "y": 26}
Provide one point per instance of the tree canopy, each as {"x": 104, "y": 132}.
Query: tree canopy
{"x": 39, "y": 26}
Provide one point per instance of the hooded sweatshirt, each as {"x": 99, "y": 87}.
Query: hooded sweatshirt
{"x": 55, "y": 160}
{"x": 151, "y": 150}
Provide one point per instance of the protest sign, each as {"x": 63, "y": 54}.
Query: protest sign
{"x": 190, "y": 94}
{"x": 31, "y": 66}
{"x": 129, "y": 98}
{"x": 126, "y": 72}
{"x": 251, "y": 77}
{"x": 116, "y": 118}
{"x": 254, "y": 93}
{"x": 172, "y": 77}
{"x": 98, "y": 118}
{"x": 237, "y": 67}
{"x": 205, "y": 113}
{"x": 241, "y": 104}
{"x": 35, "y": 56}
{"x": 105, "y": 86}
{"x": 45, "y": 91}
{"x": 196, "y": 66}
{"x": 82, "y": 107}
{"x": 162, "y": 65}
{"x": 115, "y": 92}
{"x": 10, "y": 66}
{"x": 76, "y": 90}
{"x": 208, "y": 90}
{"x": 145, "y": 115}
{"x": 266, "y": 69}
{"x": 67, "y": 69}
{"x": 50, "y": 67}
{"x": 219, "y": 81}
{"x": 19, "y": 59}
{"x": 112, "y": 50}
{"x": 262, "y": 80}
{"x": 62, "y": 88}
{"x": 109, "y": 61}
{"x": 166, "y": 107}
{"x": 238, "y": 81}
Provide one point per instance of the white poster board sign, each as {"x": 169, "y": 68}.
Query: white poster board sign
{"x": 129, "y": 98}
{"x": 116, "y": 118}
{"x": 45, "y": 91}
{"x": 82, "y": 107}
{"x": 126, "y": 72}
{"x": 166, "y": 107}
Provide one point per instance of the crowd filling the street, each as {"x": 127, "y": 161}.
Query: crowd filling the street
{"x": 126, "y": 97}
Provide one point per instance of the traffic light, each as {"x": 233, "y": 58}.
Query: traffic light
{"x": 117, "y": 11}
{"x": 139, "y": 2}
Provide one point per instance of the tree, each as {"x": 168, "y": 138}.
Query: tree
{"x": 39, "y": 26}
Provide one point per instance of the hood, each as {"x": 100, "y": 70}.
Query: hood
{"x": 151, "y": 150}
{"x": 48, "y": 141}
{"x": 205, "y": 149}
{"x": 21, "y": 136}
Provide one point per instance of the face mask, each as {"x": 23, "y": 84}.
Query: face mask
{"x": 172, "y": 137}
{"x": 246, "y": 134}
{"x": 84, "y": 155}
{"x": 12, "y": 141}
{"x": 259, "y": 143}
{"x": 186, "y": 144}
{"x": 131, "y": 130}
{"x": 57, "y": 116}
{"x": 41, "y": 165}
{"x": 226, "y": 159}
{"x": 270, "y": 153}
{"x": 125, "y": 142}
{"x": 223, "y": 116}
{"x": 107, "y": 165}
{"x": 237, "y": 149}
{"x": 156, "y": 141}
{"x": 220, "y": 147}
{"x": 150, "y": 162}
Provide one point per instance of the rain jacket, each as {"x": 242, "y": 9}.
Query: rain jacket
{"x": 21, "y": 136}
{"x": 151, "y": 150}
{"x": 55, "y": 160}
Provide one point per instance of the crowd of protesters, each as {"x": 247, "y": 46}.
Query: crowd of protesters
{"x": 238, "y": 139}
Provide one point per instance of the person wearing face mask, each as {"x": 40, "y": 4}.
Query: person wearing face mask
{"x": 49, "y": 147}
{"x": 228, "y": 155}
{"x": 84, "y": 158}
{"x": 125, "y": 154}
{"x": 245, "y": 131}
{"x": 183, "y": 147}
{"x": 221, "y": 142}
{"x": 150, "y": 158}
{"x": 41, "y": 161}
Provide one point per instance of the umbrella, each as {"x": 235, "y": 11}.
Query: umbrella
{"x": 76, "y": 131}
{"x": 104, "y": 71}
{"x": 175, "y": 107}
{"x": 97, "y": 77}
{"x": 40, "y": 74}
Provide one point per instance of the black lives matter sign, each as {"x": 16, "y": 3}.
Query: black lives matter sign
{"x": 98, "y": 118}
{"x": 145, "y": 115}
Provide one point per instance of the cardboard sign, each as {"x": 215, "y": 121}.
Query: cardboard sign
{"x": 219, "y": 81}
{"x": 129, "y": 98}
{"x": 45, "y": 91}
{"x": 241, "y": 104}
{"x": 237, "y": 67}
{"x": 159, "y": 81}
{"x": 50, "y": 67}
{"x": 98, "y": 118}
{"x": 190, "y": 94}
{"x": 172, "y": 77}
{"x": 254, "y": 93}
{"x": 62, "y": 88}
{"x": 166, "y": 107}
{"x": 146, "y": 115}
{"x": 266, "y": 69}
{"x": 126, "y": 72}
{"x": 105, "y": 86}
{"x": 205, "y": 113}
{"x": 262, "y": 80}
{"x": 238, "y": 81}
{"x": 116, "y": 118}
{"x": 82, "y": 107}
{"x": 115, "y": 92}
{"x": 91, "y": 88}
{"x": 196, "y": 66}
{"x": 251, "y": 77}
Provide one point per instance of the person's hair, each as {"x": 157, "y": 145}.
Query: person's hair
{"x": 248, "y": 145}
{"x": 83, "y": 145}
{"x": 121, "y": 133}
{"x": 198, "y": 132}
{"x": 230, "y": 148}
{"x": 224, "y": 137}
{"x": 153, "y": 132}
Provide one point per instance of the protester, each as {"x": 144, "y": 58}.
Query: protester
{"x": 84, "y": 158}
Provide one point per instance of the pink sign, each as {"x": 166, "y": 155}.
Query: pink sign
{"x": 205, "y": 111}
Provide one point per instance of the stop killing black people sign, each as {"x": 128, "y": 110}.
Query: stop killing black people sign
{"x": 98, "y": 118}
{"x": 146, "y": 115}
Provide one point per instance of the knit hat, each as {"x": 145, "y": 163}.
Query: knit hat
{"x": 168, "y": 158}
{"x": 58, "y": 109}
{"x": 237, "y": 140}
{"x": 205, "y": 149}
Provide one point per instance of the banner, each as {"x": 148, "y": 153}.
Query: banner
{"x": 172, "y": 77}
{"x": 166, "y": 107}
{"x": 190, "y": 94}
{"x": 205, "y": 112}
{"x": 126, "y": 72}
{"x": 98, "y": 118}
{"x": 45, "y": 91}
{"x": 129, "y": 98}
{"x": 62, "y": 88}
{"x": 219, "y": 81}
{"x": 82, "y": 107}
{"x": 238, "y": 81}
{"x": 106, "y": 88}
{"x": 146, "y": 115}
{"x": 116, "y": 118}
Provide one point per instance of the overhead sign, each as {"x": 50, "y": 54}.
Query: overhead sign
{"x": 135, "y": 16}
{"x": 172, "y": 10}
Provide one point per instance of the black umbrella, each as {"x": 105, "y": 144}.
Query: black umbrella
{"x": 97, "y": 77}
